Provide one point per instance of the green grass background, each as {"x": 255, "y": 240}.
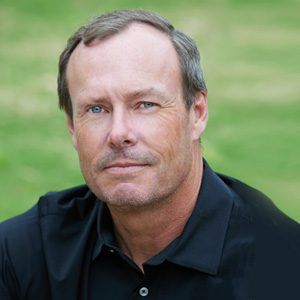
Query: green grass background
{"x": 250, "y": 55}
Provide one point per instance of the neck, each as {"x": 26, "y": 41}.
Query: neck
{"x": 143, "y": 233}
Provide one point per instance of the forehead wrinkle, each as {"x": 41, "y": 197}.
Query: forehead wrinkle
{"x": 142, "y": 39}
{"x": 85, "y": 57}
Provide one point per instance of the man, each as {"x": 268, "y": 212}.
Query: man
{"x": 154, "y": 221}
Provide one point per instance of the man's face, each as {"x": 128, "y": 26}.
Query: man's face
{"x": 135, "y": 139}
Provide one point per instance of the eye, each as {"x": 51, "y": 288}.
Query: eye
{"x": 96, "y": 109}
{"x": 147, "y": 104}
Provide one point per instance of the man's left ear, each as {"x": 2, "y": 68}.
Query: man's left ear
{"x": 199, "y": 112}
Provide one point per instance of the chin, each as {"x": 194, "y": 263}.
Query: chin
{"x": 126, "y": 197}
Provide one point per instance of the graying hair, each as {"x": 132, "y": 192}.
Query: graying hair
{"x": 110, "y": 24}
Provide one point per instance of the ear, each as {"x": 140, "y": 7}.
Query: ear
{"x": 70, "y": 124}
{"x": 199, "y": 112}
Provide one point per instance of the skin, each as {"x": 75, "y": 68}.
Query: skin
{"x": 137, "y": 144}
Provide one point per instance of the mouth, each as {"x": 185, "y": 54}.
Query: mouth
{"x": 124, "y": 168}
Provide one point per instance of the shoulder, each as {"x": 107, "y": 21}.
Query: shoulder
{"x": 59, "y": 202}
{"x": 274, "y": 231}
{"x": 276, "y": 242}
{"x": 20, "y": 252}
{"x": 22, "y": 238}
{"x": 261, "y": 208}
{"x": 18, "y": 230}
{"x": 24, "y": 230}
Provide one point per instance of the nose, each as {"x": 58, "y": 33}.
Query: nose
{"x": 121, "y": 133}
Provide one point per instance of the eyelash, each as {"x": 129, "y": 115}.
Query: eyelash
{"x": 142, "y": 105}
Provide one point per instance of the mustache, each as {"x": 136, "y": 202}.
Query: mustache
{"x": 141, "y": 158}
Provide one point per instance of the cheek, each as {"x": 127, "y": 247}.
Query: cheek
{"x": 165, "y": 135}
{"x": 89, "y": 141}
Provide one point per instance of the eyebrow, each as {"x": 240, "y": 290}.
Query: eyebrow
{"x": 144, "y": 93}
{"x": 133, "y": 95}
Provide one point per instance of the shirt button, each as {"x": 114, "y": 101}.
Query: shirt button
{"x": 144, "y": 291}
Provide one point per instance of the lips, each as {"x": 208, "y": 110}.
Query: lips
{"x": 124, "y": 165}
{"x": 120, "y": 168}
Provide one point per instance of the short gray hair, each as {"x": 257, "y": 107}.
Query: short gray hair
{"x": 107, "y": 25}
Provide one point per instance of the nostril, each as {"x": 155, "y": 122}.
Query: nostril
{"x": 119, "y": 141}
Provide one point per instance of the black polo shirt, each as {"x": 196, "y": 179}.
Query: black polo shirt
{"x": 235, "y": 245}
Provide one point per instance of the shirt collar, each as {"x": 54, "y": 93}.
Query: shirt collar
{"x": 104, "y": 230}
{"x": 200, "y": 246}
{"x": 201, "y": 243}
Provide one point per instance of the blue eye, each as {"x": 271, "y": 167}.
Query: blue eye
{"x": 147, "y": 104}
{"x": 96, "y": 109}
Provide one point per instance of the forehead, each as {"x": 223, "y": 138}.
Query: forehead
{"x": 139, "y": 49}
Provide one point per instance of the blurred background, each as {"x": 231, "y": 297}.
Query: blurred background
{"x": 250, "y": 56}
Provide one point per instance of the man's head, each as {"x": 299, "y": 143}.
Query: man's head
{"x": 134, "y": 130}
{"x": 114, "y": 23}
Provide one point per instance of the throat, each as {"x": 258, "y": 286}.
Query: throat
{"x": 142, "y": 237}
